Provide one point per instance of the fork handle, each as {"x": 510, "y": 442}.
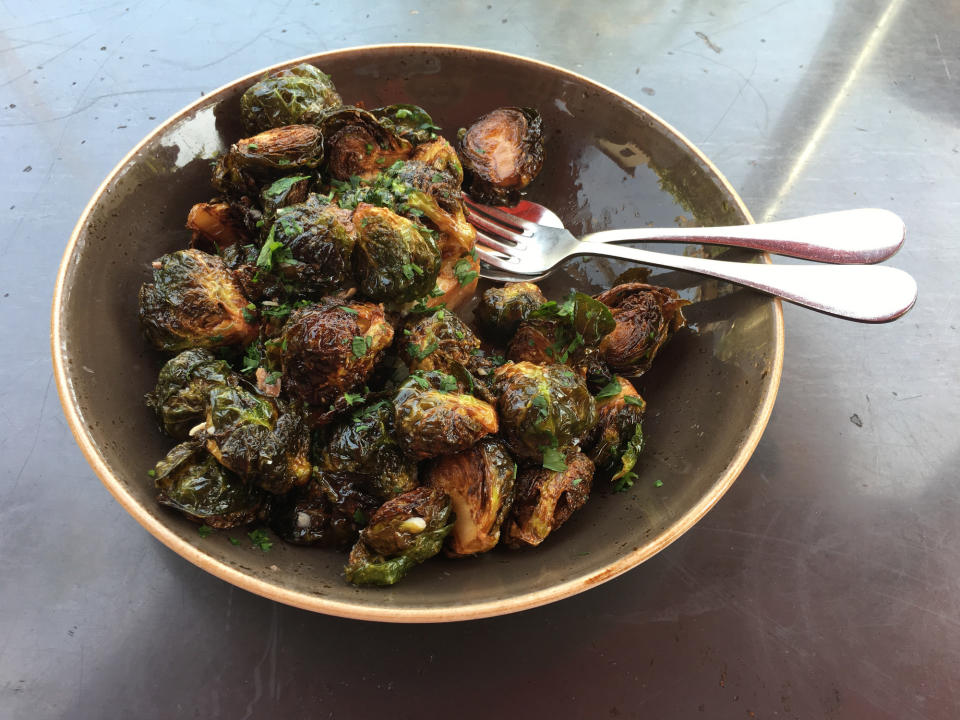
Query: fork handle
{"x": 868, "y": 293}
{"x": 867, "y": 235}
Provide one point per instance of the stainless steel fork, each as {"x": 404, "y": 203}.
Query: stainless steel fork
{"x": 857, "y": 292}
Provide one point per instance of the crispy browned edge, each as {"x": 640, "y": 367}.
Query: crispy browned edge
{"x": 408, "y": 614}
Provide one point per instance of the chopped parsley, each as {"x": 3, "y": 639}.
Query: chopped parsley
{"x": 260, "y": 539}
{"x": 352, "y": 398}
{"x": 360, "y": 345}
{"x": 419, "y": 353}
{"x": 611, "y": 389}
{"x": 464, "y": 272}
{"x": 553, "y": 459}
{"x": 233, "y": 541}
{"x": 204, "y": 530}
{"x": 448, "y": 383}
{"x": 349, "y": 310}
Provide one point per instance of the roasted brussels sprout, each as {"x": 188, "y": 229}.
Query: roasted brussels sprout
{"x": 363, "y": 446}
{"x": 188, "y": 479}
{"x": 438, "y": 340}
{"x": 308, "y": 516}
{"x": 479, "y": 482}
{"x": 502, "y": 309}
{"x": 435, "y": 194}
{"x": 357, "y": 144}
{"x": 182, "y": 393}
{"x": 646, "y": 317}
{"x": 502, "y": 152}
{"x": 542, "y": 407}
{"x": 319, "y": 238}
{"x": 331, "y": 348}
{"x": 405, "y": 531}
{"x": 545, "y": 499}
{"x": 289, "y": 190}
{"x": 395, "y": 259}
{"x": 216, "y": 223}
{"x": 416, "y": 190}
{"x": 264, "y": 441}
{"x": 432, "y": 418}
{"x": 440, "y": 155}
{"x": 297, "y": 95}
{"x": 193, "y": 301}
{"x": 410, "y": 122}
{"x": 267, "y": 156}
{"x": 618, "y": 434}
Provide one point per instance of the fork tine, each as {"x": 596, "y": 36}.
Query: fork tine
{"x": 497, "y": 260}
{"x": 504, "y": 218}
{"x": 492, "y": 228}
{"x": 493, "y": 243}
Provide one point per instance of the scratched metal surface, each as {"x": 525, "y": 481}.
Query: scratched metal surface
{"x": 826, "y": 583}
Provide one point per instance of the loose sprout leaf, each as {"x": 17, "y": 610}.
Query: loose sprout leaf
{"x": 448, "y": 383}
{"x": 658, "y": 483}
{"x": 631, "y": 400}
{"x": 553, "y": 459}
{"x": 204, "y": 531}
{"x": 234, "y": 541}
{"x": 349, "y": 310}
{"x": 611, "y": 389}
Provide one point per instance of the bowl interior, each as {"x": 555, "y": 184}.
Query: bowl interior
{"x": 609, "y": 164}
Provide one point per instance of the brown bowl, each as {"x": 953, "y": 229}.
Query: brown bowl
{"x": 610, "y": 163}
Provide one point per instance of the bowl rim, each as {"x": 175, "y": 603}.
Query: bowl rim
{"x": 345, "y": 609}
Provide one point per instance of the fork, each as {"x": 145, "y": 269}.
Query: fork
{"x": 865, "y": 293}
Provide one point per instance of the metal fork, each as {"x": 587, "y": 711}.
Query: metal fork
{"x": 865, "y": 293}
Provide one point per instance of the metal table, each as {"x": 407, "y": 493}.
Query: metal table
{"x": 825, "y": 584}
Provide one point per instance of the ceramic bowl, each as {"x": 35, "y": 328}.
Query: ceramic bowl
{"x": 610, "y": 163}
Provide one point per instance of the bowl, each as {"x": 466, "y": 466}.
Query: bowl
{"x": 610, "y": 163}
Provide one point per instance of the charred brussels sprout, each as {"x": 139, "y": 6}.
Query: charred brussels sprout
{"x": 182, "y": 393}
{"x": 545, "y": 499}
{"x": 363, "y": 446}
{"x": 618, "y": 434}
{"x": 435, "y": 194}
{"x": 297, "y": 95}
{"x": 193, "y": 301}
{"x": 502, "y": 152}
{"x": 264, "y": 441}
{"x": 330, "y": 349}
{"x": 438, "y": 341}
{"x": 646, "y": 317}
{"x": 218, "y": 224}
{"x": 188, "y": 479}
{"x": 440, "y": 155}
{"x": 479, "y": 482}
{"x": 432, "y": 419}
{"x": 404, "y": 532}
{"x": 569, "y": 332}
{"x": 309, "y": 516}
{"x": 319, "y": 238}
{"x": 394, "y": 259}
{"x": 268, "y": 156}
{"x": 541, "y": 407}
{"x": 410, "y": 122}
{"x": 502, "y": 309}
{"x": 357, "y": 144}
